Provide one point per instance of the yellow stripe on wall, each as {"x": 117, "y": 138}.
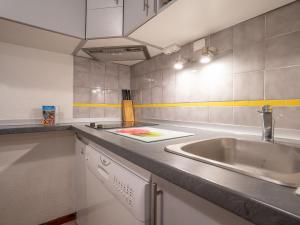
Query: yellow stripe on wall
{"x": 253, "y": 103}
{"x": 95, "y": 105}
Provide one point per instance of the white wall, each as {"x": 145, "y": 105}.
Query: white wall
{"x": 36, "y": 177}
{"x": 30, "y": 78}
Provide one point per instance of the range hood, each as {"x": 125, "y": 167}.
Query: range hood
{"x": 118, "y": 53}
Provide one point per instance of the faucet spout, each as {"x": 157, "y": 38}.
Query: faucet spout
{"x": 267, "y": 124}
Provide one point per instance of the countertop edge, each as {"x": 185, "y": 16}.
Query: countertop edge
{"x": 32, "y": 129}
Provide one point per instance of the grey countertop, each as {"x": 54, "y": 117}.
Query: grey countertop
{"x": 258, "y": 201}
{"x": 32, "y": 128}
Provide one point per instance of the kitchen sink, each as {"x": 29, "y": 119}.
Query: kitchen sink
{"x": 277, "y": 163}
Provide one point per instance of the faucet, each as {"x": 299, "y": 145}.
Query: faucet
{"x": 267, "y": 124}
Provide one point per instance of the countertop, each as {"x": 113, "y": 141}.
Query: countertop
{"x": 258, "y": 201}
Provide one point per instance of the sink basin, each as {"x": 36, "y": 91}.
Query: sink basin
{"x": 277, "y": 163}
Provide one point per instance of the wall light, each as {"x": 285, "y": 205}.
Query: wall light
{"x": 207, "y": 54}
{"x": 179, "y": 63}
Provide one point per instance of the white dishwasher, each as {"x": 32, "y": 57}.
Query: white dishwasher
{"x": 116, "y": 193}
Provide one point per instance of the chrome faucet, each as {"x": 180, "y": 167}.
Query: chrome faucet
{"x": 267, "y": 123}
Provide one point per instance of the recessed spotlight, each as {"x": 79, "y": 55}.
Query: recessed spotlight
{"x": 207, "y": 55}
{"x": 178, "y": 65}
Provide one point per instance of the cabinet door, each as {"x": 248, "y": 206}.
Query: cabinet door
{"x": 63, "y": 16}
{"x": 176, "y": 206}
{"x": 136, "y": 13}
{"x": 80, "y": 182}
{"x": 99, "y": 4}
{"x": 104, "y": 22}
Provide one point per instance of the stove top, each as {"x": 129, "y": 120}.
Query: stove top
{"x": 113, "y": 125}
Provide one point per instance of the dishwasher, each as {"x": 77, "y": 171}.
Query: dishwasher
{"x": 117, "y": 191}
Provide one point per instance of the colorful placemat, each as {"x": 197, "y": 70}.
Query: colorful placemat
{"x": 149, "y": 134}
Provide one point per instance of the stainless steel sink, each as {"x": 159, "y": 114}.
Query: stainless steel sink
{"x": 277, "y": 163}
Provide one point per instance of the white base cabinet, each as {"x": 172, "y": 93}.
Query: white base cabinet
{"x": 176, "y": 206}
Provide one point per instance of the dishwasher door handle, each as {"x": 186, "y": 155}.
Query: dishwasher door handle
{"x": 154, "y": 194}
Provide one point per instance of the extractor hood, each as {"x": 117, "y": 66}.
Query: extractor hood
{"x": 118, "y": 53}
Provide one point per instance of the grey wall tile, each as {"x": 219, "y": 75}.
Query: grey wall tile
{"x": 222, "y": 90}
{"x": 145, "y": 81}
{"x": 283, "y": 83}
{"x": 248, "y": 86}
{"x": 157, "y": 95}
{"x": 97, "y": 80}
{"x": 169, "y": 94}
{"x": 97, "y": 95}
{"x": 81, "y": 112}
{"x": 81, "y": 95}
{"x": 283, "y": 20}
{"x": 249, "y": 58}
{"x": 97, "y": 113}
{"x": 146, "y": 96}
{"x": 82, "y": 65}
{"x": 287, "y": 117}
{"x": 168, "y": 113}
{"x": 168, "y": 77}
{"x": 124, "y": 77}
{"x": 157, "y": 113}
{"x": 221, "y": 115}
{"x": 247, "y": 116}
{"x": 156, "y": 79}
{"x": 184, "y": 85}
{"x": 112, "y": 113}
{"x": 138, "y": 113}
{"x": 148, "y": 113}
{"x": 137, "y": 96}
{"x": 111, "y": 69}
{"x": 283, "y": 51}
{"x": 112, "y": 96}
{"x": 111, "y": 81}
{"x": 192, "y": 114}
{"x": 222, "y": 40}
{"x": 97, "y": 68}
{"x": 248, "y": 32}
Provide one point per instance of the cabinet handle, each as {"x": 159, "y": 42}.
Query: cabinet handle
{"x": 144, "y": 5}
{"x": 154, "y": 194}
{"x": 147, "y": 8}
{"x": 117, "y": 2}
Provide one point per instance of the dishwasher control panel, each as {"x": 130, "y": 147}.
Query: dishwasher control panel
{"x": 126, "y": 191}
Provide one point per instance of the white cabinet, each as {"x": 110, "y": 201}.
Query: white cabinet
{"x": 104, "y": 22}
{"x": 99, "y": 4}
{"x": 63, "y": 16}
{"x": 137, "y": 12}
{"x": 176, "y": 206}
{"x": 80, "y": 182}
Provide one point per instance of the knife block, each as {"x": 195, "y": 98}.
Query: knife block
{"x": 127, "y": 111}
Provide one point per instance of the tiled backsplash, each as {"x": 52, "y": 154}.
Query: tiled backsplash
{"x": 98, "y": 83}
{"x": 257, "y": 59}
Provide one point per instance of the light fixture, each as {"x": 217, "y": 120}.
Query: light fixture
{"x": 179, "y": 63}
{"x": 207, "y": 54}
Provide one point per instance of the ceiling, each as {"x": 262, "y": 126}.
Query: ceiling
{"x": 19, "y": 34}
{"x": 187, "y": 20}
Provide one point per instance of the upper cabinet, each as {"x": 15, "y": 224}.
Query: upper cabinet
{"x": 137, "y": 12}
{"x": 99, "y": 4}
{"x": 104, "y": 18}
{"x": 62, "y": 16}
{"x": 182, "y": 21}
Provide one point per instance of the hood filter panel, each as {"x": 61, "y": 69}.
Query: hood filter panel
{"x": 121, "y": 53}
